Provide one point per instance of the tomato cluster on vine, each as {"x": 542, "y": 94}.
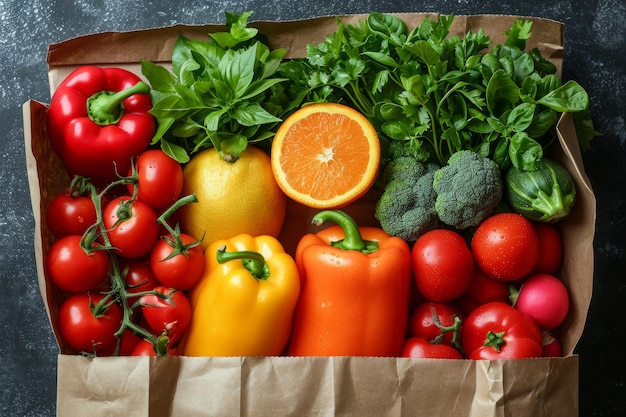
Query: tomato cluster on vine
{"x": 121, "y": 263}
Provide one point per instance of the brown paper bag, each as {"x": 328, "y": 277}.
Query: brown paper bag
{"x": 305, "y": 386}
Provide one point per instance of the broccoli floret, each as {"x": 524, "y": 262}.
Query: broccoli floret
{"x": 468, "y": 189}
{"x": 406, "y": 206}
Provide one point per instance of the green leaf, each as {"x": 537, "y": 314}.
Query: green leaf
{"x": 518, "y": 34}
{"x": 163, "y": 125}
{"x": 238, "y": 70}
{"x": 501, "y": 93}
{"x": 524, "y": 152}
{"x": 238, "y": 31}
{"x": 542, "y": 123}
{"x": 175, "y": 151}
{"x": 520, "y": 117}
{"x": 212, "y": 119}
{"x": 259, "y": 87}
{"x": 389, "y": 27}
{"x": 425, "y": 52}
{"x": 170, "y": 106}
{"x": 382, "y": 58}
{"x": 570, "y": 97}
{"x": 159, "y": 77}
{"x": 249, "y": 114}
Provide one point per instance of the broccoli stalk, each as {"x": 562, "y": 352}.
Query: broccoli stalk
{"x": 468, "y": 189}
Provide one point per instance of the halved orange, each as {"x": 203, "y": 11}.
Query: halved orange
{"x": 325, "y": 155}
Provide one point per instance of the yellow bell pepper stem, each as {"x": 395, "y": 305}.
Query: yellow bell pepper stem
{"x": 252, "y": 261}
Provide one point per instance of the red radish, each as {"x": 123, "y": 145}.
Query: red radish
{"x": 544, "y": 298}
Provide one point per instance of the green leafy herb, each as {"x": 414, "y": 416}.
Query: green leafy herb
{"x": 439, "y": 93}
{"x": 219, "y": 93}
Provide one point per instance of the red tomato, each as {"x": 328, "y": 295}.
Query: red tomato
{"x": 435, "y": 322}
{"x": 442, "y": 265}
{"x": 417, "y": 347}
{"x": 181, "y": 271}
{"x": 128, "y": 343}
{"x": 139, "y": 276}
{"x": 550, "y": 249}
{"x": 159, "y": 179}
{"x": 506, "y": 246}
{"x": 131, "y": 226}
{"x": 85, "y": 328}
{"x": 481, "y": 290}
{"x": 170, "y": 312}
{"x": 71, "y": 269}
{"x": 551, "y": 347}
{"x": 499, "y": 331}
{"x": 146, "y": 348}
{"x": 545, "y": 299}
{"x": 70, "y": 215}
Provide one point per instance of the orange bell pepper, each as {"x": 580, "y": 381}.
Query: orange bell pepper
{"x": 354, "y": 298}
{"x": 243, "y": 305}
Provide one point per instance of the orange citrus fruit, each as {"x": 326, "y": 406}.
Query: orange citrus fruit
{"x": 325, "y": 155}
{"x": 233, "y": 197}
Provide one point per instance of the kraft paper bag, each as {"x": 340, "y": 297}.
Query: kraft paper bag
{"x": 310, "y": 386}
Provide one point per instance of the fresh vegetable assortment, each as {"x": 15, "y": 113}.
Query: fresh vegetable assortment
{"x": 469, "y": 202}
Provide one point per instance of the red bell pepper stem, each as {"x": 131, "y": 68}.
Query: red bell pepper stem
{"x": 106, "y": 108}
{"x": 254, "y": 262}
{"x": 353, "y": 239}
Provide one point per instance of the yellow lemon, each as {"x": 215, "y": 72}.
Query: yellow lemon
{"x": 233, "y": 197}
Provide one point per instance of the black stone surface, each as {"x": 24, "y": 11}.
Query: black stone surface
{"x": 595, "y": 56}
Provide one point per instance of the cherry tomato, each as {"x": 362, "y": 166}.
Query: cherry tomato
{"x": 181, "y": 271}
{"x": 128, "y": 343}
{"x": 442, "y": 265}
{"x": 499, "y": 331}
{"x": 550, "y": 249}
{"x": 86, "y": 328}
{"x": 417, "y": 347}
{"x": 551, "y": 347}
{"x": 482, "y": 290}
{"x": 545, "y": 299}
{"x": 71, "y": 269}
{"x": 70, "y": 215}
{"x": 146, "y": 348}
{"x": 131, "y": 226}
{"x": 160, "y": 179}
{"x": 139, "y": 276}
{"x": 506, "y": 246}
{"x": 435, "y": 322}
{"x": 170, "y": 312}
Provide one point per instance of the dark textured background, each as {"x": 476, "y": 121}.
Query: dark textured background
{"x": 595, "y": 38}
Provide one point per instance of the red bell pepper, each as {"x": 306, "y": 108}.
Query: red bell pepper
{"x": 497, "y": 330}
{"x": 354, "y": 295}
{"x": 98, "y": 119}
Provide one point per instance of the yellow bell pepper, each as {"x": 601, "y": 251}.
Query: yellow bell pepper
{"x": 244, "y": 303}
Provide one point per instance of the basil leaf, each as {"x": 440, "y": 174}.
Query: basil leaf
{"x": 250, "y": 114}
